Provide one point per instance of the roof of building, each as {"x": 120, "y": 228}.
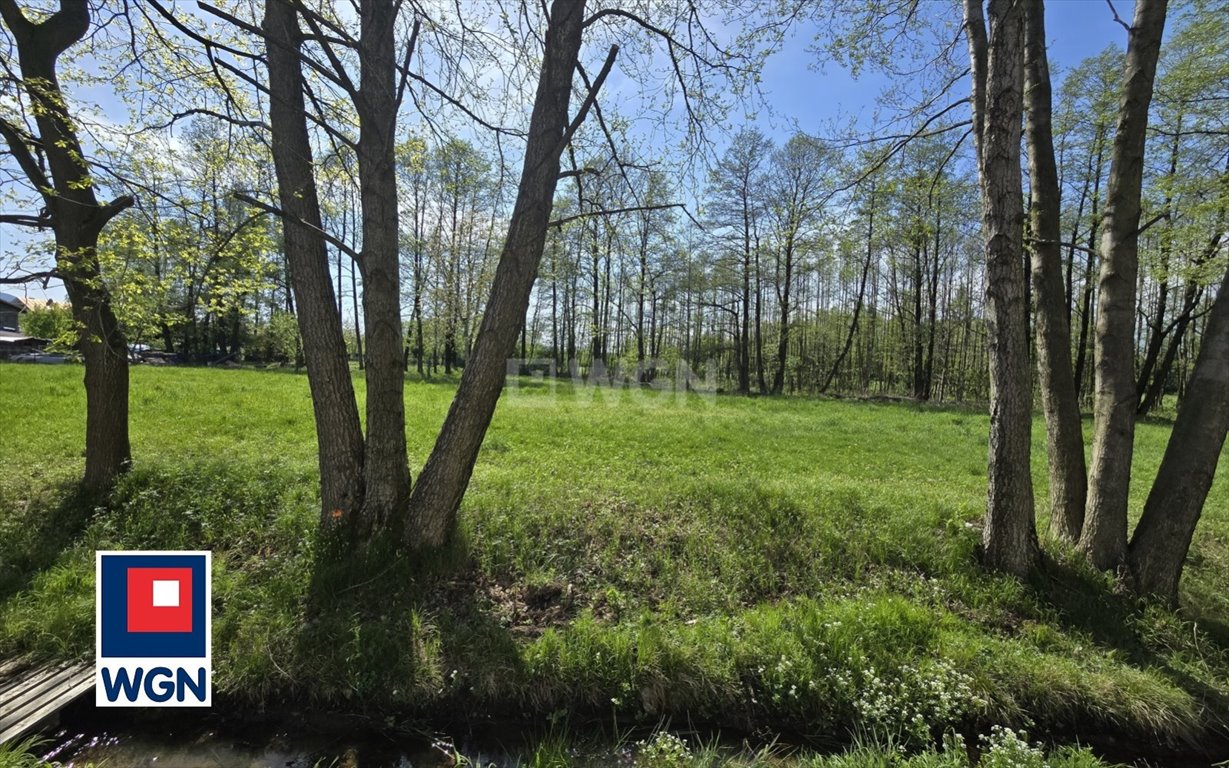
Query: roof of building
{"x": 19, "y": 303}
{"x": 16, "y": 337}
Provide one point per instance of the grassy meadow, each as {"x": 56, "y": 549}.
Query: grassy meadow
{"x": 763, "y": 565}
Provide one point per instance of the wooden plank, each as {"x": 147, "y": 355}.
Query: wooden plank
{"x": 9, "y": 667}
{"x": 42, "y": 710}
{"x": 24, "y": 687}
{"x": 43, "y": 700}
{"x": 36, "y": 698}
{"x": 43, "y": 684}
{"x": 15, "y": 687}
{"x": 30, "y": 694}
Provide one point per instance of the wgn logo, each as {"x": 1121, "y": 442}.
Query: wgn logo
{"x": 153, "y": 631}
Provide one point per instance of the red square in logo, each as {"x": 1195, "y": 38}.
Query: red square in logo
{"x": 159, "y": 599}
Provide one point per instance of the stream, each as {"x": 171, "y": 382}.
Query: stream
{"x": 127, "y": 738}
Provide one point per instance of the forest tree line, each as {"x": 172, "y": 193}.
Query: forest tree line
{"x": 796, "y": 268}
{"x": 919, "y": 265}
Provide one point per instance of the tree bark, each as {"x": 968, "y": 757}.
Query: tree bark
{"x": 744, "y": 340}
{"x": 1064, "y": 431}
{"x": 932, "y": 325}
{"x": 77, "y": 219}
{"x": 1104, "y": 539}
{"x": 1163, "y": 537}
{"x": 1009, "y": 537}
{"x": 437, "y": 494}
{"x": 760, "y": 379}
{"x": 787, "y": 278}
{"x": 339, "y": 435}
{"x": 387, "y": 474}
{"x": 918, "y": 369}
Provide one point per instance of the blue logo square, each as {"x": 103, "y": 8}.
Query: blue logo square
{"x": 116, "y": 641}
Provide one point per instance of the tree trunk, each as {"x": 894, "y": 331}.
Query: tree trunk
{"x": 358, "y": 326}
{"x": 1157, "y": 329}
{"x": 641, "y": 281}
{"x": 1192, "y": 295}
{"x": 419, "y": 349}
{"x": 1104, "y": 539}
{"x": 744, "y": 338}
{"x": 437, "y": 495}
{"x": 857, "y": 307}
{"x": 1176, "y": 330}
{"x": 932, "y": 324}
{"x": 108, "y": 452}
{"x": 339, "y": 435}
{"x": 760, "y": 379}
{"x": 1064, "y": 431}
{"x": 1010, "y": 536}
{"x": 778, "y": 381}
{"x": 77, "y": 219}
{"x": 919, "y": 356}
{"x": 1163, "y": 537}
{"x": 1086, "y": 303}
{"x": 387, "y": 474}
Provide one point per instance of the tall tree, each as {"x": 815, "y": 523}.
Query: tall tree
{"x": 794, "y": 191}
{"x": 1104, "y": 538}
{"x": 736, "y": 192}
{"x": 997, "y": 64}
{"x": 375, "y": 100}
{"x": 1064, "y": 431}
{"x": 339, "y": 435}
{"x": 1162, "y": 539}
{"x": 386, "y": 468}
{"x": 867, "y": 262}
{"x": 437, "y": 494}
{"x": 77, "y": 218}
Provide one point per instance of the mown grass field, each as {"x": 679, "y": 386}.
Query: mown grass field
{"x": 781, "y": 565}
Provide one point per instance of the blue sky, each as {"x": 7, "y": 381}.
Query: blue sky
{"x": 796, "y": 91}
{"x": 1076, "y": 30}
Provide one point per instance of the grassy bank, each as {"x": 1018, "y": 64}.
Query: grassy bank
{"x": 805, "y": 566}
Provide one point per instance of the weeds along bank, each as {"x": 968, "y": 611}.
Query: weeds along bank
{"x": 801, "y": 565}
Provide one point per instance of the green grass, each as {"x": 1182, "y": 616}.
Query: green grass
{"x": 796, "y": 565}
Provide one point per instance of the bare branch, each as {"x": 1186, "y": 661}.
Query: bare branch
{"x": 243, "y": 197}
{"x": 112, "y": 209}
{"x": 340, "y": 77}
{"x": 41, "y": 221}
{"x": 238, "y": 123}
{"x": 1118, "y": 18}
{"x": 615, "y": 211}
{"x": 14, "y": 18}
{"x": 670, "y": 39}
{"x": 405, "y": 66}
{"x": 614, "y": 148}
{"x": 209, "y": 43}
{"x": 30, "y": 277}
{"x": 590, "y": 98}
{"x": 337, "y": 75}
{"x": 1151, "y": 222}
{"x": 466, "y": 110}
{"x": 19, "y": 145}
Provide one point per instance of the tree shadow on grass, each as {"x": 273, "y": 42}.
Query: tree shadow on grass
{"x": 387, "y": 631}
{"x": 32, "y": 539}
{"x": 1084, "y": 603}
